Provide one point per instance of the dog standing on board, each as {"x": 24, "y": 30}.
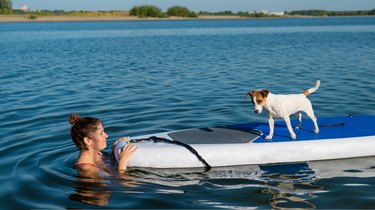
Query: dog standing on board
{"x": 282, "y": 106}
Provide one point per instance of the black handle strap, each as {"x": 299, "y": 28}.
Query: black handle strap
{"x": 187, "y": 146}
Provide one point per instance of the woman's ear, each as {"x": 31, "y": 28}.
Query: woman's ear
{"x": 87, "y": 141}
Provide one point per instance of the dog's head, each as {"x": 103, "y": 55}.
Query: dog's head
{"x": 258, "y": 98}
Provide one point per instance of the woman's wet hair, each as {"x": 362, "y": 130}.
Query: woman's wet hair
{"x": 81, "y": 128}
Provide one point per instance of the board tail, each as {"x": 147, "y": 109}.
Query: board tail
{"x": 311, "y": 90}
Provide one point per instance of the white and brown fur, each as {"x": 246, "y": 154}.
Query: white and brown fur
{"x": 282, "y": 106}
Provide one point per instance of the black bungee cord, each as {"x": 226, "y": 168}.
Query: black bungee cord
{"x": 156, "y": 139}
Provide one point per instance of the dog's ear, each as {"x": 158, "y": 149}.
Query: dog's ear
{"x": 264, "y": 93}
{"x": 250, "y": 93}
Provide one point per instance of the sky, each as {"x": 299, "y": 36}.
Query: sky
{"x": 199, "y": 5}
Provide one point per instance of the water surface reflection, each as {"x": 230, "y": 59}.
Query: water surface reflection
{"x": 279, "y": 185}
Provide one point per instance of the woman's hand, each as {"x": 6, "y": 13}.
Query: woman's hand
{"x": 119, "y": 140}
{"x": 124, "y": 155}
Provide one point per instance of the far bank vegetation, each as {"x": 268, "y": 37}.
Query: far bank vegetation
{"x": 152, "y": 11}
{"x": 146, "y": 11}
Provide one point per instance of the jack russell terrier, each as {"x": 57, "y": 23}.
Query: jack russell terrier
{"x": 282, "y": 106}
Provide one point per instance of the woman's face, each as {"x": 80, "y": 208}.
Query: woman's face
{"x": 99, "y": 138}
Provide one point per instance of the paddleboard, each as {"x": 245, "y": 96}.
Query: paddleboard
{"x": 245, "y": 144}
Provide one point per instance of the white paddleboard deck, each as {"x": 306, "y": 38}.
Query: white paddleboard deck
{"x": 244, "y": 144}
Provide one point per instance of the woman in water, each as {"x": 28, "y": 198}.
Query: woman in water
{"x": 88, "y": 135}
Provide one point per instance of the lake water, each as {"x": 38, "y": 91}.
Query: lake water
{"x": 143, "y": 77}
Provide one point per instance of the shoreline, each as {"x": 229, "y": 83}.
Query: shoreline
{"x": 88, "y": 18}
{"x": 72, "y": 18}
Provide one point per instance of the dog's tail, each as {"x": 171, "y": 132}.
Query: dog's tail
{"x": 311, "y": 90}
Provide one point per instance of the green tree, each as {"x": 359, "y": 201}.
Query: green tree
{"x": 145, "y": 11}
{"x": 5, "y": 6}
{"x": 180, "y": 12}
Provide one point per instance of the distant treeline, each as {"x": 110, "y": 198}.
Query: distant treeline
{"x": 240, "y": 13}
{"x": 145, "y": 11}
{"x": 71, "y": 13}
{"x": 5, "y": 6}
{"x": 294, "y": 13}
{"x": 331, "y": 13}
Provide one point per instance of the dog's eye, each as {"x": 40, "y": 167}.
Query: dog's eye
{"x": 259, "y": 101}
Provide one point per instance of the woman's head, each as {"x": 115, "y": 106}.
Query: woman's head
{"x": 82, "y": 128}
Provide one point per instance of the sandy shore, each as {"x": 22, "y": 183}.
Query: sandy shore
{"x": 24, "y": 18}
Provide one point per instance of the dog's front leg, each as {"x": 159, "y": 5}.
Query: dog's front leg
{"x": 289, "y": 126}
{"x": 271, "y": 122}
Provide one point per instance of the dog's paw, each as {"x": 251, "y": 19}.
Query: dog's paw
{"x": 316, "y": 130}
{"x": 293, "y": 136}
{"x": 297, "y": 127}
{"x": 269, "y": 137}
